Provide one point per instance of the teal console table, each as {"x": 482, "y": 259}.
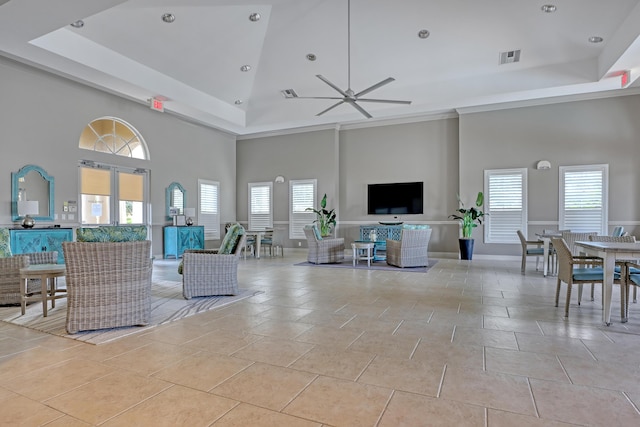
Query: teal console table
{"x": 383, "y": 233}
{"x": 177, "y": 239}
{"x": 26, "y": 240}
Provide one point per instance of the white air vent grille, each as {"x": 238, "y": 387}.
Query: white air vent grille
{"x": 289, "y": 93}
{"x": 510, "y": 56}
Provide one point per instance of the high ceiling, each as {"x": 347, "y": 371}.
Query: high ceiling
{"x": 194, "y": 63}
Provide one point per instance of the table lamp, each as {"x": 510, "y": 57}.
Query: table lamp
{"x": 189, "y": 213}
{"x": 26, "y": 208}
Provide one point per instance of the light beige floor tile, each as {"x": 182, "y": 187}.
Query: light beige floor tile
{"x": 150, "y": 358}
{"x": 176, "y": 333}
{"x": 445, "y": 318}
{"x": 285, "y": 313}
{"x": 340, "y": 403}
{"x": 176, "y": 406}
{"x": 497, "y": 418}
{"x": 99, "y": 400}
{"x": 408, "y": 410}
{"x": 362, "y": 323}
{"x": 485, "y": 337}
{"x": 48, "y": 382}
{"x": 514, "y": 325}
{"x": 489, "y": 389}
{"x": 29, "y": 360}
{"x": 67, "y": 421}
{"x": 582, "y": 405}
{"x": 385, "y": 344}
{"x": 280, "y": 329}
{"x": 337, "y": 337}
{"x": 9, "y": 346}
{"x": 245, "y": 415}
{"x": 454, "y": 355}
{"x": 535, "y": 365}
{"x": 20, "y": 411}
{"x": 333, "y": 362}
{"x": 553, "y": 345}
{"x": 222, "y": 341}
{"x": 274, "y": 351}
{"x": 202, "y": 371}
{"x": 609, "y": 374}
{"x": 234, "y": 323}
{"x": 415, "y": 376}
{"x": 267, "y": 386}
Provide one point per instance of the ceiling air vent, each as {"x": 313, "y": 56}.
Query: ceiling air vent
{"x": 289, "y": 93}
{"x": 510, "y": 56}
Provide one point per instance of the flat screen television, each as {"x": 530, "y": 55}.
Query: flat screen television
{"x": 401, "y": 198}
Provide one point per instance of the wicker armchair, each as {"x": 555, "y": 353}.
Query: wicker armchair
{"x": 411, "y": 250}
{"x": 108, "y": 284}
{"x": 10, "y": 279}
{"x": 207, "y": 272}
{"x": 323, "y": 251}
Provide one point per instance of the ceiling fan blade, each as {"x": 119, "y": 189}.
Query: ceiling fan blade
{"x": 330, "y": 108}
{"x": 316, "y": 97}
{"x": 375, "y": 86}
{"x": 385, "y": 101}
{"x": 359, "y": 108}
{"x": 343, "y": 93}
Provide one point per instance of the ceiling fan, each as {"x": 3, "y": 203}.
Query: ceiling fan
{"x": 348, "y": 95}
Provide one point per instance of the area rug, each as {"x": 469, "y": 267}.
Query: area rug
{"x": 379, "y": 265}
{"x": 167, "y": 305}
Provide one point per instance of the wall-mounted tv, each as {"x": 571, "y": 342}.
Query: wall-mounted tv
{"x": 401, "y": 198}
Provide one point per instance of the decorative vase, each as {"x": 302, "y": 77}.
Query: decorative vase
{"x": 373, "y": 236}
{"x": 466, "y": 248}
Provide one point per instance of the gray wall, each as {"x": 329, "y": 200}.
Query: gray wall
{"x": 42, "y": 116}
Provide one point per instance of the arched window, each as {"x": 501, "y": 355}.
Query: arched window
{"x": 115, "y": 136}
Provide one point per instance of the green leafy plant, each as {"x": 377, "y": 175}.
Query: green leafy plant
{"x": 326, "y": 217}
{"x": 469, "y": 218}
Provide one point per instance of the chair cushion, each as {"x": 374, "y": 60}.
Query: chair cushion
{"x": 635, "y": 279}
{"x": 231, "y": 239}
{"x": 535, "y": 251}
{"x": 415, "y": 226}
{"x": 586, "y": 274}
{"x": 112, "y": 233}
{"x": 5, "y": 246}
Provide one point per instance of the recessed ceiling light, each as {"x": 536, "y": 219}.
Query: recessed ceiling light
{"x": 548, "y": 8}
{"x": 254, "y": 17}
{"x": 168, "y": 18}
{"x": 595, "y": 39}
{"x": 78, "y": 24}
{"x": 311, "y": 56}
{"x": 245, "y": 68}
{"x": 423, "y": 34}
{"x": 238, "y": 101}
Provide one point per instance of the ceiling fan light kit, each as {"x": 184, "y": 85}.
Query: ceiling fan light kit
{"x": 348, "y": 95}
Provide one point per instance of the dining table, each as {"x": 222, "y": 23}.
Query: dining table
{"x": 610, "y": 252}
{"x": 258, "y": 234}
{"x": 546, "y": 248}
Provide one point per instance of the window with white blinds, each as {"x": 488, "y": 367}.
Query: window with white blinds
{"x": 302, "y": 195}
{"x": 260, "y": 205}
{"x": 505, "y": 203}
{"x": 209, "y": 208}
{"x": 584, "y": 198}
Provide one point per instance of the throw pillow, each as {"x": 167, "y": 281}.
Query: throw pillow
{"x": 5, "y": 245}
{"x": 231, "y": 239}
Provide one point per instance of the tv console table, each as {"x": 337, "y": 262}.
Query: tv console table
{"x": 383, "y": 232}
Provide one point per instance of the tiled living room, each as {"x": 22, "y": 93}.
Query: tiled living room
{"x": 467, "y": 343}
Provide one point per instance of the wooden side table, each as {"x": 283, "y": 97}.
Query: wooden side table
{"x": 363, "y": 251}
{"x": 47, "y": 273}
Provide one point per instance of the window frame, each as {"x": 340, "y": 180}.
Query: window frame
{"x": 297, "y": 220}
{"x": 260, "y": 221}
{"x": 210, "y": 221}
{"x": 508, "y": 235}
{"x": 562, "y": 217}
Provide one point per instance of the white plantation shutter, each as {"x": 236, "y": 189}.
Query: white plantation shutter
{"x": 302, "y": 195}
{"x": 506, "y": 205}
{"x": 209, "y": 208}
{"x": 260, "y": 205}
{"x": 584, "y": 198}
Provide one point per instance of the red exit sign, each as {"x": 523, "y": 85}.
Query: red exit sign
{"x": 157, "y": 104}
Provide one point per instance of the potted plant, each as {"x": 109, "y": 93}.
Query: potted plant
{"x": 326, "y": 218}
{"x": 469, "y": 219}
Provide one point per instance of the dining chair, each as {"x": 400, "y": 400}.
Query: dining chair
{"x": 266, "y": 242}
{"x": 618, "y": 231}
{"x": 620, "y": 265}
{"x": 578, "y": 270}
{"x": 529, "y": 248}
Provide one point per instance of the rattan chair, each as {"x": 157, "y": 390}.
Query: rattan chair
{"x": 578, "y": 270}
{"x": 412, "y": 250}
{"x": 108, "y": 284}
{"x": 327, "y": 250}
{"x": 208, "y": 272}
{"x": 530, "y": 248}
{"x": 10, "y": 279}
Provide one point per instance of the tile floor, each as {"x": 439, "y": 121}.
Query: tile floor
{"x": 469, "y": 343}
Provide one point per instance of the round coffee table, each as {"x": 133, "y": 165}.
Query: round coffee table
{"x": 363, "y": 251}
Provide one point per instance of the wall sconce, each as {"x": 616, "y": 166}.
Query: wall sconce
{"x": 543, "y": 165}
{"x": 279, "y": 179}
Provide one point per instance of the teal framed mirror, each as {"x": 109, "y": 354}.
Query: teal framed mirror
{"x": 175, "y": 197}
{"x": 32, "y": 183}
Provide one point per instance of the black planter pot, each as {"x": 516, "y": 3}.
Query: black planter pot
{"x": 466, "y": 248}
